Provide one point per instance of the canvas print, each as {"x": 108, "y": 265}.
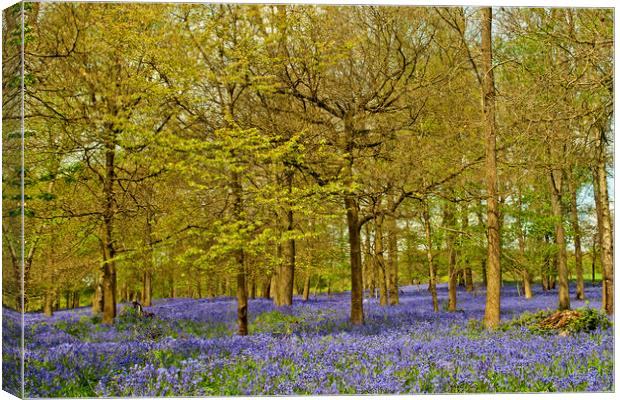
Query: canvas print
{"x": 276, "y": 199}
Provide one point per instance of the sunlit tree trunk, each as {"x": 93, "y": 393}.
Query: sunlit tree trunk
{"x": 238, "y": 254}
{"x": 605, "y": 225}
{"x": 353, "y": 224}
{"x": 469, "y": 282}
{"x": 306, "y": 293}
{"x": 380, "y": 262}
{"x": 392, "y": 262}
{"x": 429, "y": 255}
{"x": 266, "y": 288}
{"x": 580, "y": 295}
{"x": 449, "y": 222}
{"x": 286, "y": 275}
{"x": 555, "y": 180}
{"x": 492, "y": 307}
{"x": 369, "y": 263}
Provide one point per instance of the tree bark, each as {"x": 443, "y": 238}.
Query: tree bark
{"x": 392, "y": 262}
{"x": 238, "y": 254}
{"x": 76, "y": 299}
{"x": 429, "y": 255}
{"x": 525, "y": 273}
{"x": 527, "y": 284}
{"x": 353, "y": 224}
{"x": 469, "y": 282}
{"x": 286, "y": 275}
{"x": 48, "y": 305}
{"x": 306, "y": 294}
{"x": 555, "y": 180}
{"x": 605, "y": 224}
{"x": 380, "y": 262}
{"x": 147, "y": 288}
{"x": 108, "y": 268}
{"x": 357, "y": 294}
{"x": 492, "y": 306}
{"x": 266, "y": 289}
{"x": 369, "y": 263}
{"x": 580, "y": 295}
{"x": 449, "y": 222}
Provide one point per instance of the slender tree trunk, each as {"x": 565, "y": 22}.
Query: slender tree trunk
{"x": 48, "y": 305}
{"x": 171, "y": 289}
{"x": 148, "y": 289}
{"x": 97, "y": 306}
{"x": 597, "y": 241}
{"x": 369, "y": 263}
{"x": 469, "y": 282}
{"x": 593, "y": 277}
{"x": 555, "y": 180}
{"x": 253, "y": 288}
{"x": 380, "y": 262}
{"x": 392, "y": 262}
{"x": 276, "y": 290}
{"x": 238, "y": 254}
{"x": 525, "y": 273}
{"x": 449, "y": 222}
{"x": 605, "y": 224}
{"x": 460, "y": 276}
{"x": 147, "y": 283}
{"x": 266, "y": 289}
{"x": 580, "y": 295}
{"x": 492, "y": 307}
{"x": 429, "y": 255}
{"x": 108, "y": 268}
{"x": 306, "y": 294}
{"x": 527, "y": 284}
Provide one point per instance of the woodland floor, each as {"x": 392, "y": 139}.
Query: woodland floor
{"x": 190, "y": 348}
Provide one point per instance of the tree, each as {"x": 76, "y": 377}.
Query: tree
{"x": 492, "y": 308}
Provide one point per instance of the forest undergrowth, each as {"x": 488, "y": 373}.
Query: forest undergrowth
{"x": 189, "y": 347}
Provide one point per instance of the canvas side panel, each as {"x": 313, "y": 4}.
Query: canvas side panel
{"x": 11, "y": 200}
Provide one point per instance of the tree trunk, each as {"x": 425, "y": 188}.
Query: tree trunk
{"x": 76, "y": 299}
{"x": 357, "y": 294}
{"x": 448, "y": 220}
{"x": 108, "y": 267}
{"x": 527, "y": 284}
{"x": 253, "y": 288}
{"x": 469, "y": 282}
{"x": 593, "y": 277}
{"x": 353, "y": 224}
{"x": 97, "y": 306}
{"x": 392, "y": 262}
{"x": 525, "y": 273}
{"x": 306, "y": 294}
{"x": 238, "y": 254}
{"x": 380, "y": 262}
{"x": 266, "y": 289}
{"x": 369, "y": 263}
{"x": 429, "y": 255}
{"x": 555, "y": 180}
{"x": 580, "y": 295}
{"x": 171, "y": 289}
{"x": 605, "y": 224}
{"x": 492, "y": 307}
{"x": 48, "y": 305}
{"x": 286, "y": 274}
